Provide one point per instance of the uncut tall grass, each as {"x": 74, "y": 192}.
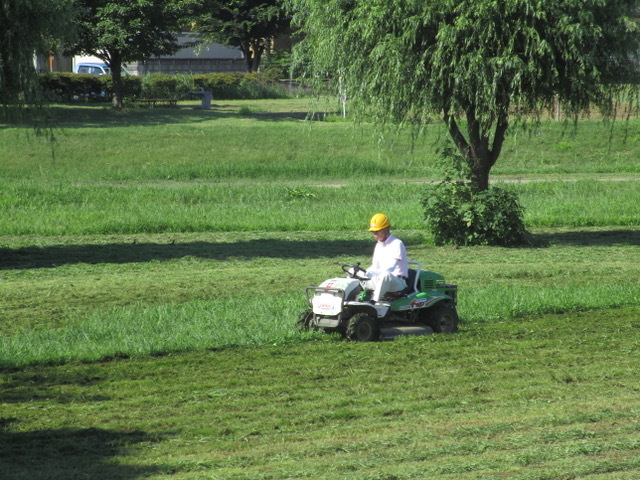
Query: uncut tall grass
{"x": 145, "y": 330}
{"x": 68, "y": 209}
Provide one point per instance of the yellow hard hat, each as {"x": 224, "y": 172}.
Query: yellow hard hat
{"x": 379, "y": 222}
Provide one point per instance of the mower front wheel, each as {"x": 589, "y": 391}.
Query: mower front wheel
{"x": 363, "y": 327}
{"x": 304, "y": 322}
{"x": 443, "y": 319}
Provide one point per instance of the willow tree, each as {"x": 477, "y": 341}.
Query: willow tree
{"x": 27, "y": 28}
{"x": 480, "y": 65}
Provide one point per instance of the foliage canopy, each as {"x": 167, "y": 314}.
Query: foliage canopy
{"x": 480, "y": 66}
{"x": 26, "y": 28}
{"x": 247, "y": 24}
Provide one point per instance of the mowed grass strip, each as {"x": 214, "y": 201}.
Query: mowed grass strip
{"x": 537, "y": 397}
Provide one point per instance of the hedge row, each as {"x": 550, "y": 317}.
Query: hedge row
{"x": 67, "y": 87}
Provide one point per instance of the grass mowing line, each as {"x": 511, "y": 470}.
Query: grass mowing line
{"x": 90, "y": 284}
{"x": 265, "y": 320}
{"x": 545, "y": 397}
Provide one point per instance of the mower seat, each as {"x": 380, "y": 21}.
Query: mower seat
{"x": 411, "y": 284}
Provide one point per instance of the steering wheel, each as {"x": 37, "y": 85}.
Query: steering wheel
{"x": 353, "y": 271}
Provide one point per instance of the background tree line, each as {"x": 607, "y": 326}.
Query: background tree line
{"x": 121, "y": 31}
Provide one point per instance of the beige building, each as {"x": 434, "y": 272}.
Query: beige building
{"x": 203, "y": 59}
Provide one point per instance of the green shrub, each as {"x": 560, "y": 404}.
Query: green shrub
{"x": 260, "y": 85}
{"x": 229, "y": 86}
{"x": 69, "y": 87}
{"x": 162, "y": 85}
{"x": 131, "y": 85}
{"x": 66, "y": 87}
{"x": 211, "y": 81}
{"x": 221, "y": 85}
{"x": 277, "y": 65}
{"x": 457, "y": 212}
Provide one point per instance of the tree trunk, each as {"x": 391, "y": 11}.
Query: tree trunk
{"x": 481, "y": 171}
{"x": 115, "y": 64}
{"x": 258, "y": 49}
{"x": 248, "y": 56}
{"x": 252, "y": 51}
{"x": 477, "y": 149}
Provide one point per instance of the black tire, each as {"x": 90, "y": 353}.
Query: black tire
{"x": 363, "y": 327}
{"x": 304, "y": 321}
{"x": 443, "y": 319}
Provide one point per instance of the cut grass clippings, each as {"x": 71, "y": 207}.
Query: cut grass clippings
{"x": 534, "y": 398}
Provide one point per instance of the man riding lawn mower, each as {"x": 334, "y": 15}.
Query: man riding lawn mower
{"x": 386, "y": 300}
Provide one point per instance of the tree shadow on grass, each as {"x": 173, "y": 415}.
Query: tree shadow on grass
{"x": 69, "y": 453}
{"x": 350, "y": 250}
{"x": 120, "y": 253}
{"x": 101, "y": 116}
{"x": 44, "y": 385}
{"x": 64, "y": 453}
{"x": 604, "y": 238}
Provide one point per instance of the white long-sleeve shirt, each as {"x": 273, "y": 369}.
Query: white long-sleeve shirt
{"x": 390, "y": 256}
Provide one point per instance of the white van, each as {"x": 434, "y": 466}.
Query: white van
{"x": 92, "y": 68}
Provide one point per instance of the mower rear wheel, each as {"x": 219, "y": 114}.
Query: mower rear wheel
{"x": 363, "y": 327}
{"x": 443, "y": 319}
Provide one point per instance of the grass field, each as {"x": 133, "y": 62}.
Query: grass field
{"x": 153, "y": 262}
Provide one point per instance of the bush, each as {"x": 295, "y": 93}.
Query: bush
{"x": 226, "y": 86}
{"x": 131, "y": 85}
{"x": 221, "y": 85}
{"x": 65, "y": 87}
{"x": 457, "y": 212}
{"x": 277, "y": 64}
{"x": 162, "y": 85}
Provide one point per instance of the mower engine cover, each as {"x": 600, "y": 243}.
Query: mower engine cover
{"x": 328, "y": 297}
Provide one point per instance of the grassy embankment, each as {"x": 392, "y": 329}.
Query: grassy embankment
{"x": 150, "y": 232}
